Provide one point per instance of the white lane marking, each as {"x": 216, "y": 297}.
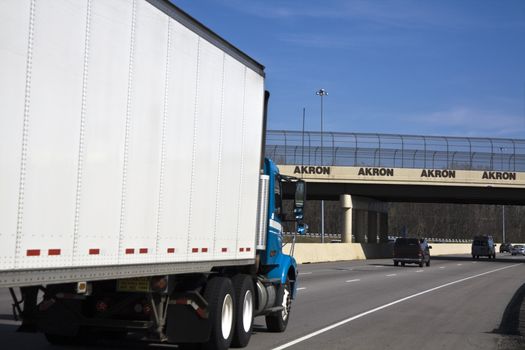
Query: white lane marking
{"x": 460, "y": 264}
{"x": 442, "y": 267}
{"x": 379, "y": 266}
{"x": 356, "y": 280}
{"x": 474, "y": 262}
{"x": 350, "y": 319}
{"x": 391, "y": 275}
{"x": 420, "y": 270}
{"x": 305, "y": 273}
{"x": 302, "y": 288}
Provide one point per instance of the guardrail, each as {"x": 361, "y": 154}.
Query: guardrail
{"x": 394, "y": 150}
{"x": 390, "y": 238}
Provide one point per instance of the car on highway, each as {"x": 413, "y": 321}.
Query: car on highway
{"x": 518, "y": 249}
{"x": 505, "y": 248}
{"x": 483, "y": 246}
{"x": 411, "y": 251}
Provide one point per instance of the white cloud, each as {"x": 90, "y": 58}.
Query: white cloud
{"x": 467, "y": 121}
{"x": 402, "y": 13}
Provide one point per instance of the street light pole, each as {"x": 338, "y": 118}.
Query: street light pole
{"x": 503, "y": 206}
{"x": 322, "y": 93}
{"x": 503, "y": 223}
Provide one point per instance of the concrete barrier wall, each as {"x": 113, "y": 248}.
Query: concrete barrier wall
{"x": 318, "y": 252}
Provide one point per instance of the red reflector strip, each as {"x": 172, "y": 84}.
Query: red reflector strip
{"x": 248, "y": 249}
{"x": 33, "y": 252}
{"x": 194, "y": 250}
{"x": 241, "y": 249}
{"x": 143, "y": 251}
{"x": 94, "y": 251}
{"x": 53, "y": 252}
{"x": 204, "y": 250}
{"x": 130, "y": 251}
{"x": 171, "y": 250}
{"x": 224, "y": 250}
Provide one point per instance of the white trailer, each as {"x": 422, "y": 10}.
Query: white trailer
{"x": 130, "y": 146}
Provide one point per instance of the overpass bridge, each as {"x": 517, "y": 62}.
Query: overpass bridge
{"x": 364, "y": 171}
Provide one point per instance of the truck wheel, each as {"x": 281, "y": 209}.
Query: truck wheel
{"x": 428, "y": 262}
{"x": 63, "y": 340}
{"x": 244, "y": 304}
{"x": 277, "y": 321}
{"x": 55, "y": 339}
{"x": 220, "y": 297}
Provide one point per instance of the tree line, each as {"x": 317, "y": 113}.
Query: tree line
{"x": 435, "y": 220}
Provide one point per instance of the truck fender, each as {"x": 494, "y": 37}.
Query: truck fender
{"x": 289, "y": 270}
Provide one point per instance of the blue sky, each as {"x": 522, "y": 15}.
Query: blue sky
{"x": 436, "y": 67}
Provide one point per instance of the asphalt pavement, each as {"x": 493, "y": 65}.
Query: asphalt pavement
{"x": 456, "y": 303}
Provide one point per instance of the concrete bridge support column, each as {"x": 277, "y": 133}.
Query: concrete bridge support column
{"x": 363, "y": 218}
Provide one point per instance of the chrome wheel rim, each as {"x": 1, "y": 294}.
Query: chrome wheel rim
{"x": 227, "y": 316}
{"x": 247, "y": 311}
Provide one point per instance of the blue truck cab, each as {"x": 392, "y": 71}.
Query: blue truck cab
{"x": 277, "y": 270}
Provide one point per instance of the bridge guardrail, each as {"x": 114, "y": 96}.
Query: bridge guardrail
{"x": 397, "y": 151}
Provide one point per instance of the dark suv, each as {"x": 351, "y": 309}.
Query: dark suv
{"x": 505, "y": 248}
{"x": 411, "y": 251}
{"x": 483, "y": 246}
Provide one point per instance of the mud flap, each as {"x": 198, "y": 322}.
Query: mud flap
{"x": 184, "y": 325}
{"x": 62, "y": 318}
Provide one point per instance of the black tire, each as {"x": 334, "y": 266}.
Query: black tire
{"x": 396, "y": 263}
{"x": 428, "y": 263}
{"x": 421, "y": 263}
{"x": 244, "y": 310}
{"x": 221, "y": 300}
{"x": 277, "y": 321}
{"x": 61, "y": 340}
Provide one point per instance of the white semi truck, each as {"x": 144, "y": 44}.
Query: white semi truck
{"x": 134, "y": 196}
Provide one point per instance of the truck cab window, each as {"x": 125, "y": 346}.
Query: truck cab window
{"x": 277, "y": 190}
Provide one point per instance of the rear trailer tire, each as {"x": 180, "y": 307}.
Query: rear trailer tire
{"x": 64, "y": 340}
{"x": 277, "y": 321}
{"x": 244, "y": 310}
{"x": 221, "y": 307}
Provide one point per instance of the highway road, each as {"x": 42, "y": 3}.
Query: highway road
{"x": 456, "y": 303}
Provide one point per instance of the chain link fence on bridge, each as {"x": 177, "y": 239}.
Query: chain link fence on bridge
{"x": 396, "y": 151}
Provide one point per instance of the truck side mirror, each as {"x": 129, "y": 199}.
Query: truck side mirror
{"x": 302, "y": 229}
{"x": 300, "y": 194}
{"x": 299, "y": 215}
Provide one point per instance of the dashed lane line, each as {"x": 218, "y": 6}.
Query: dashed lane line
{"x": 356, "y": 280}
{"x": 391, "y": 275}
{"x": 379, "y": 308}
